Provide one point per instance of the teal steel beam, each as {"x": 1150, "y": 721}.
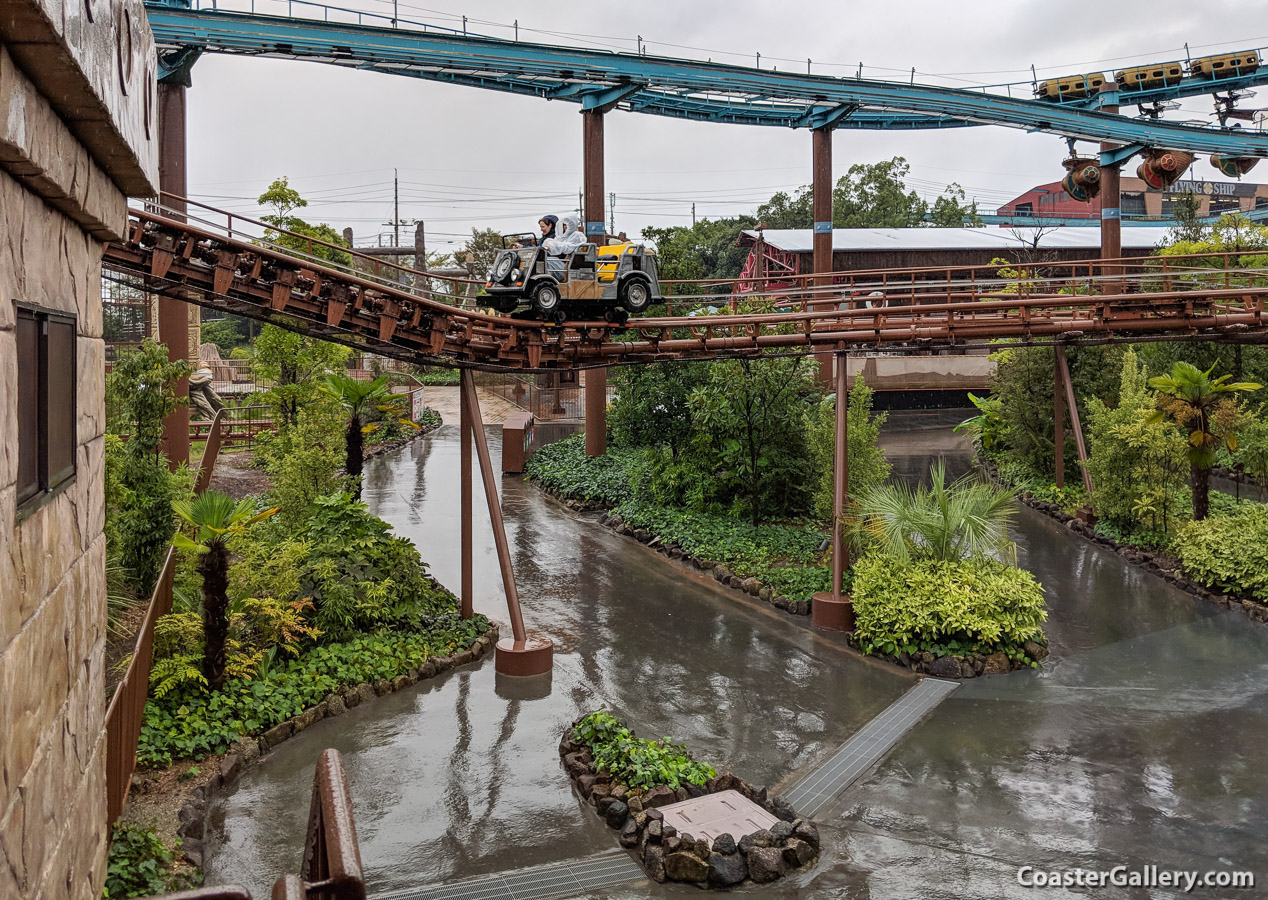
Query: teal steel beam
{"x": 604, "y": 100}
{"x": 717, "y": 92}
{"x": 1120, "y": 154}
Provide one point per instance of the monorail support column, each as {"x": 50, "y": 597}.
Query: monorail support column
{"x": 518, "y": 654}
{"x": 464, "y": 509}
{"x": 822, "y": 199}
{"x": 835, "y": 611}
{"x": 1111, "y": 211}
{"x": 1058, "y": 414}
{"x": 592, "y": 213}
{"x": 173, "y": 315}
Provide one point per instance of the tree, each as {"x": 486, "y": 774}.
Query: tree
{"x": 967, "y": 518}
{"x": 1188, "y": 227}
{"x": 292, "y": 363}
{"x": 140, "y": 395}
{"x": 1204, "y": 406}
{"x": 284, "y": 199}
{"x": 868, "y": 467}
{"x": 786, "y": 211}
{"x": 708, "y": 249}
{"x": 215, "y": 517}
{"x": 876, "y": 196}
{"x": 950, "y": 210}
{"x": 652, "y": 406}
{"x": 358, "y": 398}
{"x": 484, "y": 246}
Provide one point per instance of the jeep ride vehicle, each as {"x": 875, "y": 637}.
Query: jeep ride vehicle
{"x": 608, "y": 282}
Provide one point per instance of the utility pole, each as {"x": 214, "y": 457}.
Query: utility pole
{"x": 581, "y": 205}
{"x": 396, "y": 209}
{"x": 693, "y": 215}
{"x": 612, "y": 212}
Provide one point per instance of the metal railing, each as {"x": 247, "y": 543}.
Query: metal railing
{"x": 127, "y": 705}
{"x": 331, "y": 867}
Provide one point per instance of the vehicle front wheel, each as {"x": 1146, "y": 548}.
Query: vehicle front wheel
{"x": 636, "y": 296}
{"x": 546, "y": 298}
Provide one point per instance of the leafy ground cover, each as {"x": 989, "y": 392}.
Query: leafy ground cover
{"x": 189, "y": 722}
{"x": 565, "y": 468}
{"x": 140, "y": 864}
{"x": 635, "y": 761}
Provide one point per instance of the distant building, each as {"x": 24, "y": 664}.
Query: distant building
{"x": 788, "y": 252}
{"x": 1138, "y": 199}
{"x": 77, "y": 137}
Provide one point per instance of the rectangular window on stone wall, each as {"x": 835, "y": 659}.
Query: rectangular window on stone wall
{"x": 46, "y": 404}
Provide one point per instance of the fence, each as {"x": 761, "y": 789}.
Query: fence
{"x": 127, "y": 705}
{"x": 548, "y": 396}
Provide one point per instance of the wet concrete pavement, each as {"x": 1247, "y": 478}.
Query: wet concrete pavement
{"x": 1140, "y": 742}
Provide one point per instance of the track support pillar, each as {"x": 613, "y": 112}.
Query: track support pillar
{"x": 519, "y": 654}
{"x": 173, "y": 315}
{"x": 1111, "y": 213}
{"x": 596, "y": 389}
{"x": 835, "y": 611}
{"x": 822, "y": 204}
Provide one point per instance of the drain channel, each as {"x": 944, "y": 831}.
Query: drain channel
{"x": 867, "y": 746}
{"x": 553, "y": 881}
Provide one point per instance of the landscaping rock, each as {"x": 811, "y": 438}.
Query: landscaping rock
{"x": 193, "y": 850}
{"x": 765, "y": 864}
{"x": 576, "y": 764}
{"x": 382, "y": 686}
{"x": 685, "y": 867}
{"x": 966, "y": 669}
{"x": 1035, "y": 650}
{"x": 620, "y": 791}
{"x": 629, "y": 834}
{"x": 996, "y": 664}
{"x": 230, "y": 766}
{"x": 806, "y": 831}
{"x": 721, "y": 573}
{"x": 603, "y": 804}
{"x": 798, "y": 853}
{"x": 190, "y": 816}
{"x": 780, "y": 601}
{"x": 764, "y": 595}
{"x": 659, "y": 796}
{"x": 671, "y": 844}
{"x": 726, "y": 869}
{"x": 246, "y": 749}
{"x": 667, "y": 831}
{"x": 585, "y": 784}
{"x": 429, "y": 668}
{"x": 654, "y": 863}
{"x": 400, "y": 682}
{"x": 752, "y": 585}
{"x": 365, "y": 692}
{"x": 727, "y": 781}
{"x": 681, "y": 795}
{"x": 780, "y": 832}
{"x": 642, "y": 536}
{"x": 653, "y": 814}
{"x": 757, "y": 839}
{"x": 945, "y": 667}
{"x": 701, "y": 849}
{"x": 635, "y": 804}
{"x": 598, "y": 789}
{"x": 306, "y": 718}
{"x": 653, "y": 831}
{"x": 278, "y": 733}
{"x": 617, "y": 813}
{"x": 779, "y": 807}
{"x": 724, "y": 844}
{"x": 464, "y": 657}
{"x": 707, "y": 564}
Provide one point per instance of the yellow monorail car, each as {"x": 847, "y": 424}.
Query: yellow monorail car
{"x": 1226, "y": 66}
{"x": 1071, "y": 87}
{"x": 1155, "y": 75}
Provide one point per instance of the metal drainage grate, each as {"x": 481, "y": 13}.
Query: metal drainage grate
{"x": 554, "y": 881}
{"x": 867, "y": 746}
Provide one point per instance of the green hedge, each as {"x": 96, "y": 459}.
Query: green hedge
{"x": 1228, "y": 552}
{"x": 972, "y": 606}
{"x": 189, "y": 722}
{"x": 638, "y": 762}
{"x": 563, "y": 466}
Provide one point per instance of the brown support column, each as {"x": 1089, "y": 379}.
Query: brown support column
{"x": 822, "y": 197}
{"x": 592, "y": 216}
{"x": 1058, "y": 414}
{"x": 1111, "y": 211}
{"x": 835, "y": 611}
{"x": 464, "y": 425}
{"x": 1075, "y": 425}
{"x": 518, "y": 654}
{"x": 173, "y": 315}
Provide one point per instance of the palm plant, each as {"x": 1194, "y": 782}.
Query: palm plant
{"x": 1204, "y": 406}
{"x": 358, "y": 398}
{"x": 943, "y": 522}
{"x": 215, "y": 516}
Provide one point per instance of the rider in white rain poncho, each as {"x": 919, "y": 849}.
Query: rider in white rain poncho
{"x": 568, "y": 240}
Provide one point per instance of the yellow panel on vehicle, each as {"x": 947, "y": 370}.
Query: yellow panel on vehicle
{"x": 1155, "y": 75}
{"x": 1070, "y": 87}
{"x": 608, "y": 258}
{"x": 1226, "y": 65}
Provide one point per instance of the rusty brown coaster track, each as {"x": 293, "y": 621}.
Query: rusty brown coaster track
{"x": 197, "y": 263}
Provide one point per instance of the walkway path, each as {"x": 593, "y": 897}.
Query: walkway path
{"x": 444, "y": 399}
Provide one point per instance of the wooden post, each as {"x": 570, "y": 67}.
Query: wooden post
{"x": 592, "y": 215}
{"x": 173, "y": 315}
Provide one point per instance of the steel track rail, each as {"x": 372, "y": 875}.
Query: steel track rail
{"x": 190, "y": 262}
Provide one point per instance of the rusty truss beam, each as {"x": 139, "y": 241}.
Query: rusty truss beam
{"x": 197, "y": 264}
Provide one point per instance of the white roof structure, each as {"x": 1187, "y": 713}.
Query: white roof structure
{"x": 1138, "y": 237}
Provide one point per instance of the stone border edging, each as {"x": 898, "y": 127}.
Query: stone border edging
{"x": 248, "y": 750}
{"x": 791, "y": 844}
{"x": 397, "y": 443}
{"x": 1142, "y": 559}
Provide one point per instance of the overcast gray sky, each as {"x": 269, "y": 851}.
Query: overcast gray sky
{"x": 473, "y": 158}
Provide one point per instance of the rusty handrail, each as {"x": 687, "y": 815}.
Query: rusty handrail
{"x": 331, "y": 867}
{"x": 126, "y": 711}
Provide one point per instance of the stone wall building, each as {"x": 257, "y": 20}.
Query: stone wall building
{"x": 77, "y": 136}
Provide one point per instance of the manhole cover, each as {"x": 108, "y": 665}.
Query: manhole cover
{"x": 727, "y": 812}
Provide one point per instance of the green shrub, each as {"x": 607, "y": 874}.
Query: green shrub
{"x": 360, "y": 576}
{"x": 437, "y": 377}
{"x": 189, "y": 722}
{"x": 303, "y": 462}
{"x": 868, "y": 467}
{"x": 563, "y": 466}
{"x": 976, "y": 605}
{"x": 226, "y": 333}
{"x": 140, "y": 864}
{"x": 1228, "y": 552}
{"x": 638, "y": 762}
